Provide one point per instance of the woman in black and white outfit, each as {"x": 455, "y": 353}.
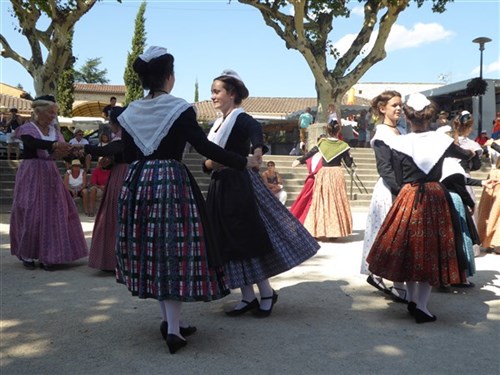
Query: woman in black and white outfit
{"x": 258, "y": 236}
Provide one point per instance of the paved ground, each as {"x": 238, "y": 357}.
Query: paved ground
{"x": 328, "y": 320}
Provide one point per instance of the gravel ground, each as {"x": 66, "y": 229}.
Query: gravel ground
{"x": 327, "y": 320}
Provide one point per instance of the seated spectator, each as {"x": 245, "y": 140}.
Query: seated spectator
{"x": 12, "y": 124}
{"x": 274, "y": 182}
{"x": 78, "y": 140}
{"x": 103, "y": 140}
{"x": 495, "y": 127}
{"x": 98, "y": 181}
{"x": 75, "y": 181}
{"x": 482, "y": 139}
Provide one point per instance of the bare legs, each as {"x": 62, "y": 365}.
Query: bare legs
{"x": 12, "y": 147}
{"x": 85, "y": 201}
{"x": 92, "y": 193}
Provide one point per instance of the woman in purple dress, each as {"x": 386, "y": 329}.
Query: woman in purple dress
{"x": 44, "y": 223}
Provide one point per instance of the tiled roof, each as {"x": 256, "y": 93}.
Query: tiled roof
{"x": 266, "y": 108}
{"x": 269, "y": 108}
{"x": 6, "y": 102}
{"x": 262, "y": 108}
{"x": 100, "y": 89}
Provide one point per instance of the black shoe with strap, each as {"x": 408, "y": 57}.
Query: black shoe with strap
{"x": 248, "y": 307}
{"x": 379, "y": 284}
{"x": 184, "y": 331}
{"x": 174, "y": 343}
{"x": 260, "y": 313}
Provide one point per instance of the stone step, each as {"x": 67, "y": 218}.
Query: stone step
{"x": 294, "y": 178}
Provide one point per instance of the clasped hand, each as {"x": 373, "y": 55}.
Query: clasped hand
{"x": 490, "y": 183}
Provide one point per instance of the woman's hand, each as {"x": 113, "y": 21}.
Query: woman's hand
{"x": 253, "y": 162}
{"x": 61, "y": 149}
{"x": 258, "y": 154}
{"x": 295, "y": 163}
{"x": 490, "y": 183}
{"x": 213, "y": 165}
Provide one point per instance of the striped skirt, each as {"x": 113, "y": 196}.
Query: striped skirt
{"x": 417, "y": 239}
{"x": 291, "y": 243}
{"x": 102, "y": 249}
{"x": 163, "y": 248}
{"x": 330, "y": 213}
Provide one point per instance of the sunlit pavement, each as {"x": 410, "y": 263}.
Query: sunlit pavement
{"x": 327, "y": 320}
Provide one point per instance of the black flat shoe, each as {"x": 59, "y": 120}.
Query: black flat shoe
{"x": 412, "y": 306}
{"x": 421, "y": 317}
{"x": 394, "y": 294}
{"x": 260, "y": 313}
{"x": 444, "y": 289}
{"x": 28, "y": 264}
{"x": 379, "y": 285}
{"x": 47, "y": 267}
{"x": 174, "y": 343}
{"x": 184, "y": 331}
{"x": 468, "y": 284}
{"x": 248, "y": 307}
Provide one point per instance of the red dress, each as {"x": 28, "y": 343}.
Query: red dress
{"x": 300, "y": 207}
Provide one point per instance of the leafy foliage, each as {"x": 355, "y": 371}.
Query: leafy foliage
{"x": 48, "y": 44}
{"x": 65, "y": 85}
{"x": 90, "y": 72}
{"x": 476, "y": 87}
{"x": 196, "y": 92}
{"x": 132, "y": 82}
{"x": 305, "y": 25}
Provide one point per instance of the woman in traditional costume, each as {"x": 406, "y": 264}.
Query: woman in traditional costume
{"x": 416, "y": 243}
{"x": 330, "y": 213}
{"x": 102, "y": 248}
{"x": 258, "y": 236}
{"x": 44, "y": 223}
{"x": 300, "y": 207}
{"x": 488, "y": 222}
{"x": 388, "y": 106}
{"x": 164, "y": 250}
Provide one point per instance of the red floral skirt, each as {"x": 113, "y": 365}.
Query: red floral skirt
{"x": 417, "y": 239}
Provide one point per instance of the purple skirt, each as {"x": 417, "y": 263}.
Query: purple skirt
{"x": 44, "y": 223}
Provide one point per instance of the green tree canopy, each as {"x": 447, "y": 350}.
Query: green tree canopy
{"x": 307, "y": 29}
{"x": 90, "y": 72}
{"x": 132, "y": 82}
{"x": 52, "y": 39}
{"x": 66, "y": 85}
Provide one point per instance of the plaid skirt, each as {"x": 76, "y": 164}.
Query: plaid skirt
{"x": 291, "y": 242}
{"x": 417, "y": 239}
{"x": 162, "y": 249}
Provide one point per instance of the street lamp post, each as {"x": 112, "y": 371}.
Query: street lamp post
{"x": 481, "y": 41}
